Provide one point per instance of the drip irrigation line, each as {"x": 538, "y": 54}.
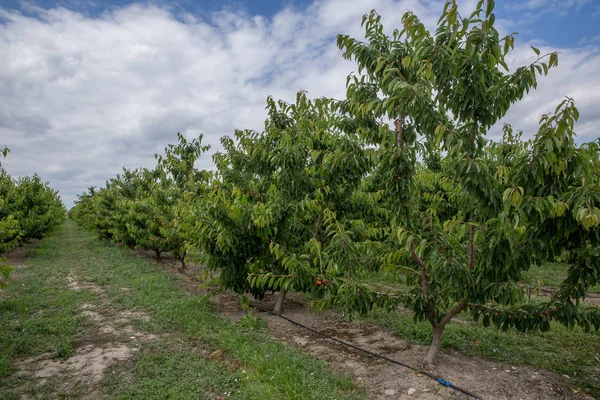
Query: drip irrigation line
{"x": 441, "y": 381}
{"x": 438, "y": 379}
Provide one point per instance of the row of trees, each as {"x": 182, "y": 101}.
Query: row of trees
{"x": 138, "y": 208}
{"x": 29, "y": 208}
{"x": 399, "y": 176}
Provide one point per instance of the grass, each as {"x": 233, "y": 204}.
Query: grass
{"x": 165, "y": 370}
{"x": 571, "y": 352}
{"x": 549, "y": 274}
{"x": 39, "y": 314}
{"x": 552, "y": 274}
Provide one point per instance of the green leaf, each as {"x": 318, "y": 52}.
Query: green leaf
{"x": 406, "y": 61}
{"x": 490, "y": 7}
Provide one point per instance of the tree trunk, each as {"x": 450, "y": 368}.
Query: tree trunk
{"x": 183, "y": 266}
{"x": 279, "y": 304}
{"x": 436, "y": 344}
{"x": 157, "y": 253}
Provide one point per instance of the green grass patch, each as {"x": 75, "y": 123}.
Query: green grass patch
{"x": 552, "y": 274}
{"x": 154, "y": 371}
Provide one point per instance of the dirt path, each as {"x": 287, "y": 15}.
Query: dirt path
{"x": 591, "y": 299}
{"x": 383, "y": 380}
{"x": 17, "y": 256}
{"x": 109, "y": 340}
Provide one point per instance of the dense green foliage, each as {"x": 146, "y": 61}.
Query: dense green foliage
{"x": 29, "y": 208}
{"x": 469, "y": 227}
{"x": 268, "y": 218}
{"x": 329, "y": 192}
{"x": 138, "y": 207}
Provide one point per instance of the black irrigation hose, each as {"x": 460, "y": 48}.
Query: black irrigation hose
{"x": 435, "y": 378}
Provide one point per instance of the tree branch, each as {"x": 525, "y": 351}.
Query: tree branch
{"x": 415, "y": 256}
{"x": 455, "y": 310}
{"x": 424, "y": 284}
{"x": 471, "y": 247}
{"x": 317, "y": 228}
{"x": 399, "y": 128}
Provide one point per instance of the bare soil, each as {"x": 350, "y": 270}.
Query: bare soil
{"x": 17, "y": 256}
{"x": 381, "y": 379}
{"x": 111, "y": 339}
{"x": 591, "y": 299}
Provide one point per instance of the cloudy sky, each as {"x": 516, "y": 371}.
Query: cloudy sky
{"x": 88, "y": 87}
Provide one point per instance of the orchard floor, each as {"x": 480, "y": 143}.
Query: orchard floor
{"x": 85, "y": 319}
{"x": 382, "y": 380}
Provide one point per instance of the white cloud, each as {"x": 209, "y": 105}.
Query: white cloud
{"x": 577, "y": 76}
{"x": 589, "y": 40}
{"x": 82, "y": 97}
{"x": 556, "y": 6}
{"x": 524, "y": 14}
